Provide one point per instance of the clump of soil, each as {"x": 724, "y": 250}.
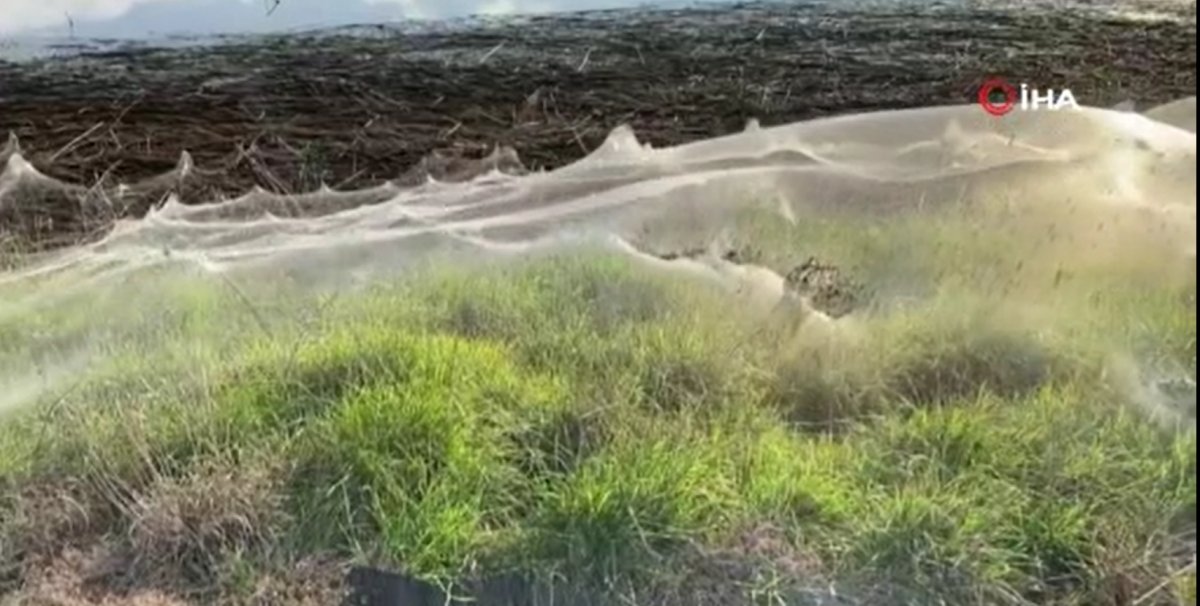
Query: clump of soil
{"x": 827, "y": 288}
{"x": 687, "y": 253}
{"x": 744, "y": 255}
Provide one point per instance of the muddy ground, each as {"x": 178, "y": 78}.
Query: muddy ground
{"x": 356, "y": 106}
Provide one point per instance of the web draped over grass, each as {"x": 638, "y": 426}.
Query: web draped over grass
{"x": 581, "y": 417}
{"x": 989, "y": 426}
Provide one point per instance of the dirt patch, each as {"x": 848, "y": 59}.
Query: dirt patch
{"x": 357, "y": 107}
{"x": 826, "y": 287}
{"x": 80, "y": 578}
{"x": 70, "y": 580}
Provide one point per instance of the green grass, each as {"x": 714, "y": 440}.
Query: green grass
{"x": 583, "y": 423}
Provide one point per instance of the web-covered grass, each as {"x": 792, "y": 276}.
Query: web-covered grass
{"x": 584, "y": 424}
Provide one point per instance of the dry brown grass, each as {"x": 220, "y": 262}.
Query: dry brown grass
{"x": 72, "y": 544}
{"x": 309, "y": 582}
{"x": 80, "y": 578}
{"x": 182, "y": 527}
{"x": 71, "y": 580}
{"x": 46, "y": 516}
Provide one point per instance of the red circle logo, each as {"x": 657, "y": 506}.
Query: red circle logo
{"x": 991, "y": 88}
